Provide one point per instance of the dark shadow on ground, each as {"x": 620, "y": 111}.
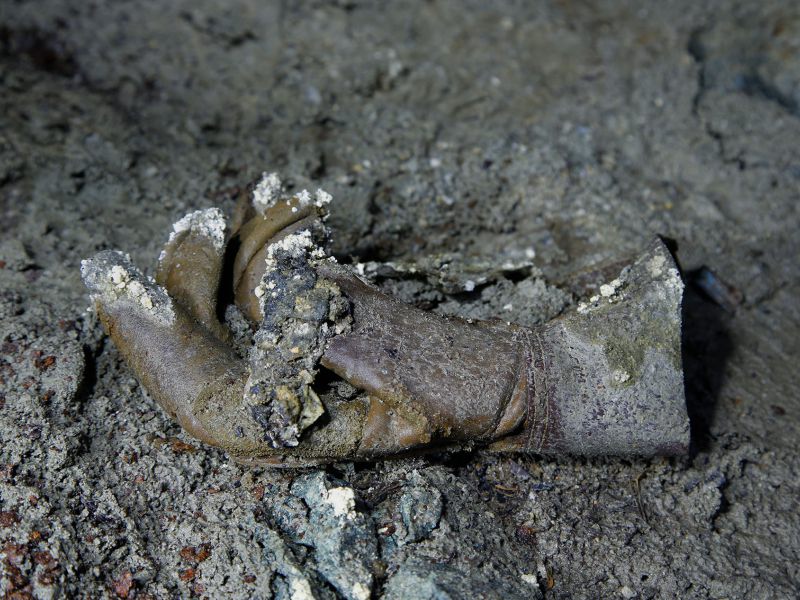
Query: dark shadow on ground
{"x": 706, "y": 346}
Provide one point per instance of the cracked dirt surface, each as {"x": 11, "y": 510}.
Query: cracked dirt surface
{"x": 562, "y": 132}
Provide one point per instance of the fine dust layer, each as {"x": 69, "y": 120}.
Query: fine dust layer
{"x": 487, "y": 160}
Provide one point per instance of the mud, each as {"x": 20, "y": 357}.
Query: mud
{"x": 561, "y": 134}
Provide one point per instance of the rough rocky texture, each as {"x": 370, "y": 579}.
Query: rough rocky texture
{"x": 562, "y": 133}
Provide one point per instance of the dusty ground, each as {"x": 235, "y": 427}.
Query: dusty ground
{"x": 567, "y": 131}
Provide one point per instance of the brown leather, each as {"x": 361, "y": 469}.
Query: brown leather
{"x": 190, "y": 270}
{"x": 260, "y": 230}
{"x": 461, "y": 379}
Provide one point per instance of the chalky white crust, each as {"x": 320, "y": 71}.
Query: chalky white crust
{"x": 112, "y": 279}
